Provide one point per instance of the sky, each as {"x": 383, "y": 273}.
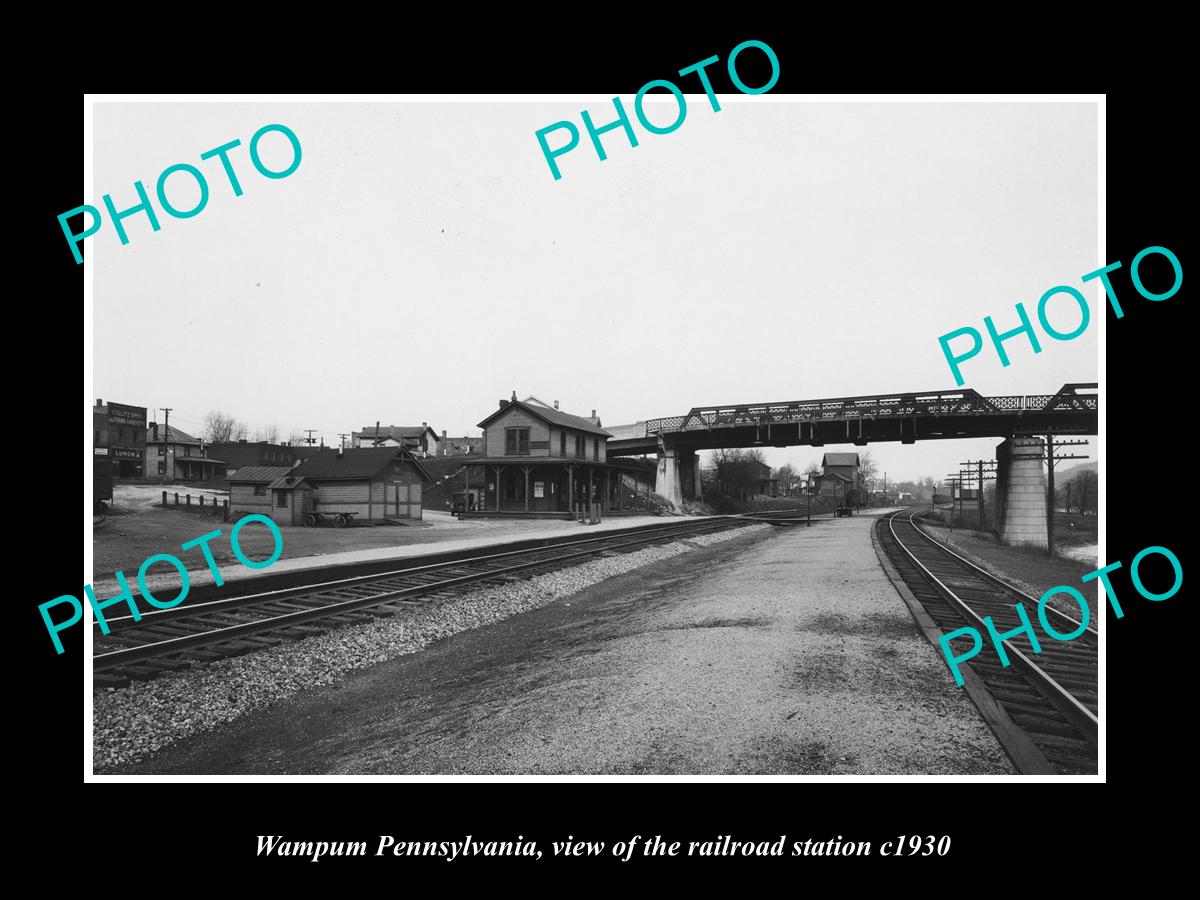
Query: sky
{"x": 422, "y": 262}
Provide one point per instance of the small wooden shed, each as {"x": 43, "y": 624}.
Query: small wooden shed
{"x": 249, "y": 489}
{"x": 374, "y": 483}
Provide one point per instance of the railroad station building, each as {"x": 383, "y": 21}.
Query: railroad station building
{"x": 376, "y": 485}
{"x": 539, "y": 461}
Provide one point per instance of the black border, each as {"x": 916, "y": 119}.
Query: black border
{"x": 1147, "y": 497}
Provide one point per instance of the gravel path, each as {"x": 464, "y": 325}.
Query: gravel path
{"x": 133, "y": 722}
{"x": 784, "y": 652}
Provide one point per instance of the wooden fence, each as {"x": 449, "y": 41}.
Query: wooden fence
{"x": 213, "y": 506}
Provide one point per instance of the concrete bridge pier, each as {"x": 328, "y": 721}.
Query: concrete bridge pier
{"x": 678, "y": 476}
{"x": 1021, "y": 492}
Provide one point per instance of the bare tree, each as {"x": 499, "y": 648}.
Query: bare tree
{"x": 220, "y": 427}
{"x": 1085, "y": 490}
{"x": 737, "y": 471}
{"x": 295, "y": 438}
{"x": 927, "y": 488}
{"x": 268, "y": 433}
{"x": 868, "y": 470}
{"x": 788, "y": 477}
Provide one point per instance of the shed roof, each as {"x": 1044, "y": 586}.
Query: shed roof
{"x": 839, "y": 459}
{"x": 364, "y": 462}
{"x": 288, "y": 480}
{"x": 257, "y": 474}
{"x": 546, "y": 414}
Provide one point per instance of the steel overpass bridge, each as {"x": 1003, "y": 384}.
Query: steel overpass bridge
{"x": 1019, "y": 420}
{"x": 907, "y": 418}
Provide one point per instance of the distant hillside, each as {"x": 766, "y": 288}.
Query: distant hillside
{"x": 1064, "y": 475}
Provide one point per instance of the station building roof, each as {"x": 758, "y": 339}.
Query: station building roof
{"x": 550, "y": 415}
{"x": 331, "y": 464}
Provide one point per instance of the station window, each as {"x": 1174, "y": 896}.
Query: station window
{"x": 596, "y": 449}
{"x": 281, "y": 499}
{"x": 516, "y": 441}
{"x": 562, "y": 443}
{"x": 162, "y": 451}
{"x": 260, "y": 490}
{"x": 579, "y": 452}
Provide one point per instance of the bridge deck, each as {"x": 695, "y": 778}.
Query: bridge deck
{"x": 860, "y": 420}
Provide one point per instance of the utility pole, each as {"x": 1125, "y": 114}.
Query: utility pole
{"x": 982, "y": 476}
{"x": 168, "y": 454}
{"x": 963, "y": 480}
{"x": 1052, "y": 459}
{"x": 309, "y": 440}
{"x": 343, "y": 437}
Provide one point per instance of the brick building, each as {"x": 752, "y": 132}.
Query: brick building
{"x": 238, "y": 454}
{"x": 122, "y": 430}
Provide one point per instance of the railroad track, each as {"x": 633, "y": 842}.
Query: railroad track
{"x": 1043, "y": 707}
{"x": 171, "y": 639}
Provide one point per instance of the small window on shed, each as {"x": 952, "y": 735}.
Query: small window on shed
{"x": 260, "y": 490}
{"x": 281, "y": 499}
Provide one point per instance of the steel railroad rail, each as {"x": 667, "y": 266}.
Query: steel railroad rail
{"x": 165, "y": 640}
{"x": 1043, "y": 706}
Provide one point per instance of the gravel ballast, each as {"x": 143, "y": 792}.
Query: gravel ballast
{"x": 133, "y": 722}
